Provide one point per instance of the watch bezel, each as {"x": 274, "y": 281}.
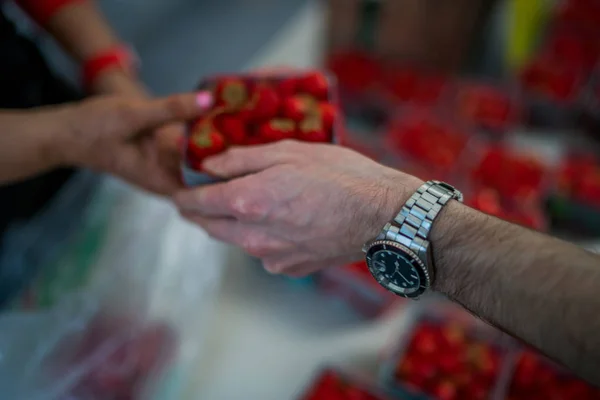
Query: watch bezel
{"x": 422, "y": 270}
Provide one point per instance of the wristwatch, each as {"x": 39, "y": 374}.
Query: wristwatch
{"x": 400, "y": 257}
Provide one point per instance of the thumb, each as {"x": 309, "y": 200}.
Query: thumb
{"x": 240, "y": 161}
{"x": 175, "y": 108}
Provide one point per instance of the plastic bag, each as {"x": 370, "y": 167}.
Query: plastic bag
{"x": 135, "y": 329}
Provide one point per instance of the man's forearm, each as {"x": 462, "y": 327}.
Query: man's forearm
{"x": 29, "y": 141}
{"x": 542, "y": 290}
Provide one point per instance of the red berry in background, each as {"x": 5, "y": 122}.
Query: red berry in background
{"x": 205, "y": 144}
{"x": 355, "y": 71}
{"x": 588, "y": 190}
{"x": 276, "y": 129}
{"x": 233, "y": 93}
{"x": 264, "y": 104}
{"x": 401, "y": 83}
{"x": 425, "y": 340}
{"x": 314, "y": 84}
{"x": 487, "y": 201}
{"x": 232, "y": 127}
{"x": 429, "y": 89}
{"x": 312, "y": 130}
{"x": 445, "y": 390}
{"x": 550, "y": 77}
{"x": 486, "y": 106}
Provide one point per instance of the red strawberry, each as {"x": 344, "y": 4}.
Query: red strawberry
{"x": 205, "y": 144}
{"x": 328, "y": 115}
{"x": 264, "y": 104}
{"x": 314, "y": 84}
{"x": 298, "y": 107}
{"x": 487, "y": 201}
{"x": 276, "y": 129}
{"x": 445, "y": 390}
{"x": 287, "y": 87}
{"x": 312, "y": 130}
{"x": 232, "y": 127}
{"x": 232, "y": 93}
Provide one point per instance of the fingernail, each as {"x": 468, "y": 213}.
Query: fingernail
{"x": 204, "y": 99}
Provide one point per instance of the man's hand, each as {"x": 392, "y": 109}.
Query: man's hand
{"x": 118, "y": 135}
{"x": 297, "y": 206}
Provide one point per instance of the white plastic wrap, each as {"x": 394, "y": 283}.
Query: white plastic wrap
{"x": 135, "y": 329}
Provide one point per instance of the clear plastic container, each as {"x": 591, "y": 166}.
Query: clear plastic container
{"x": 534, "y": 376}
{"x": 489, "y": 108}
{"x": 428, "y": 144}
{"x": 444, "y": 352}
{"x": 333, "y": 384}
{"x": 262, "y": 108}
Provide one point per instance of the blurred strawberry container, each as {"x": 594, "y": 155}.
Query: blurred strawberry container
{"x": 575, "y": 201}
{"x": 355, "y": 285}
{"x": 536, "y": 377}
{"x": 517, "y": 174}
{"x": 529, "y": 213}
{"x": 331, "y": 384}
{"x": 256, "y": 109}
{"x": 409, "y": 85}
{"x": 488, "y": 108}
{"x": 421, "y": 139}
{"x": 447, "y": 354}
{"x": 358, "y": 76}
{"x": 552, "y": 88}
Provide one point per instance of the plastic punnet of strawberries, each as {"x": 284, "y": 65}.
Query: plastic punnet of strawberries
{"x": 535, "y": 378}
{"x": 427, "y": 140}
{"x": 443, "y": 361}
{"x": 251, "y": 110}
{"x": 487, "y": 107}
{"x": 516, "y": 176}
{"x": 579, "y": 179}
{"x": 331, "y": 385}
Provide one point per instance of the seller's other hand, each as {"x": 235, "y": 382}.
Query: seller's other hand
{"x": 120, "y": 135}
{"x": 297, "y": 206}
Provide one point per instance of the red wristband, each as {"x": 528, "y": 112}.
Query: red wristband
{"x": 42, "y": 10}
{"x": 120, "y": 57}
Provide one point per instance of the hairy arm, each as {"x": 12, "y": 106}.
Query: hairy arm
{"x": 540, "y": 289}
{"x": 302, "y": 207}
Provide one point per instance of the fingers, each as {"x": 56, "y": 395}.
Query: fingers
{"x": 253, "y": 239}
{"x": 239, "y": 161}
{"x": 207, "y": 201}
{"x": 176, "y": 108}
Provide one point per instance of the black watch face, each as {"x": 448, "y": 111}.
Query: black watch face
{"x": 397, "y": 268}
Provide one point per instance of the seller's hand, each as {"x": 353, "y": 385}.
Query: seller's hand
{"x": 297, "y": 206}
{"x": 118, "y": 135}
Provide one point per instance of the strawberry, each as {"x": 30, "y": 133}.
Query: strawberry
{"x": 355, "y": 71}
{"x": 264, "y": 104}
{"x": 445, "y": 390}
{"x": 232, "y": 127}
{"x": 205, "y": 144}
{"x": 312, "y": 130}
{"x": 328, "y": 114}
{"x": 276, "y": 129}
{"x": 314, "y": 84}
{"x": 298, "y": 107}
{"x": 232, "y": 93}
{"x": 287, "y": 87}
